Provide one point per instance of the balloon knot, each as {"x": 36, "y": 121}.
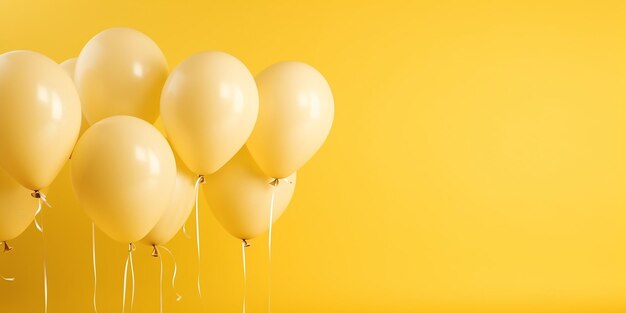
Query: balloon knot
{"x": 275, "y": 181}
{"x": 36, "y": 194}
{"x": 131, "y": 247}
{"x": 155, "y": 251}
{"x": 7, "y": 248}
{"x": 245, "y": 243}
{"x": 201, "y": 179}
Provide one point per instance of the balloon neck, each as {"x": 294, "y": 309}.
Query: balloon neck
{"x": 275, "y": 181}
{"x": 245, "y": 243}
{"x": 36, "y": 194}
{"x": 131, "y": 247}
{"x": 7, "y": 248}
{"x": 155, "y": 251}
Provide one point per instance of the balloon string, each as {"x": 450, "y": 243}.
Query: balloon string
{"x": 244, "y": 245}
{"x": 37, "y": 225}
{"x": 93, "y": 257}
{"x": 132, "y": 275}
{"x": 160, "y": 283}
{"x": 197, "y": 190}
{"x": 41, "y": 197}
{"x": 124, "y": 288}
{"x": 178, "y": 296}
{"x": 269, "y": 247}
{"x": 129, "y": 260}
{"x": 7, "y": 278}
{"x": 7, "y": 248}
{"x": 45, "y": 281}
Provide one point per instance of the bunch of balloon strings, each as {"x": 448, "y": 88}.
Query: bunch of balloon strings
{"x": 155, "y": 253}
{"x": 129, "y": 264}
{"x": 244, "y": 244}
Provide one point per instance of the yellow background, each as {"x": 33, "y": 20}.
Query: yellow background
{"x": 477, "y": 162}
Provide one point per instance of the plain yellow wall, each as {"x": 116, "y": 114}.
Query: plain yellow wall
{"x": 477, "y": 162}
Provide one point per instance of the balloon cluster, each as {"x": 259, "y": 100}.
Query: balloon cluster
{"x": 244, "y": 137}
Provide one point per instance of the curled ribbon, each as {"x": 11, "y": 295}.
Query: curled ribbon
{"x": 7, "y": 248}
{"x": 178, "y": 296}
{"x": 197, "y": 190}
{"x": 7, "y": 278}
{"x": 41, "y": 197}
{"x": 129, "y": 260}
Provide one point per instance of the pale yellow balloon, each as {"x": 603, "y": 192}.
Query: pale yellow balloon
{"x": 296, "y": 110}
{"x": 123, "y": 172}
{"x": 17, "y": 207}
{"x": 39, "y": 118}
{"x": 240, "y": 195}
{"x": 69, "y": 65}
{"x": 178, "y": 210}
{"x": 209, "y": 106}
{"x": 120, "y": 72}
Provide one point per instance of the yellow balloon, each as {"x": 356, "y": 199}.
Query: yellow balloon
{"x": 296, "y": 110}
{"x": 240, "y": 195}
{"x": 39, "y": 118}
{"x": 179, "y": 207}
{"x": 120, "y": 72}
{"x": 69, "y": 65}
{"x": 209, "y": 106}
{"x": 17, "y": 207}
{"x": 123, "y": 172}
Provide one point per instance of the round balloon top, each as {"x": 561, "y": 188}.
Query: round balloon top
{"x": 123, "y": 172}
{"x": 296, "y": 110}
{"x": 39, "y": 117}
{"x": 120, "y": 71}
{"x": 209, "y": 106}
